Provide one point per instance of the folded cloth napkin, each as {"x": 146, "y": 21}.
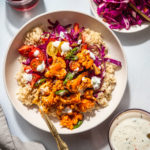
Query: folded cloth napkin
{"x": 9, "y": 142}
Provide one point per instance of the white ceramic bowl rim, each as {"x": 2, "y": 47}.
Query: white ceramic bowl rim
{"x": 116, "y": 38}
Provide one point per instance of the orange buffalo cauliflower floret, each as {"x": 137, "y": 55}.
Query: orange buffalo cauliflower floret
{"x": 86, "y": 105}
{"x": 44, "y": 89}
{"x": 48, "y": 100}
{"x": 88, "y": 94}
{"x": 52, "y": 98}
{"x": 70, "y": 120}
{"x": 75, "y": 65}
{"x": 86, "y": 83}
{"x": 72, "y": 85}
{"x": 72, "y": 99}
{"x": 58, "y": 85}
{"x": 84, "y": 59}
{"x": 57, "y": 69}
{"x": 96, "y": 69}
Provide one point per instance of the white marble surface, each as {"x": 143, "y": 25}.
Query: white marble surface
{"x": 137, "y": 94}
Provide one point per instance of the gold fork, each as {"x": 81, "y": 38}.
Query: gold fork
{"x": 60, "y": 143}
{"x": 139, "y": 11}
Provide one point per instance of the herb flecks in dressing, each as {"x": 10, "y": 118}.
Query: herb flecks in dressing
{"x": 131, "y": 134}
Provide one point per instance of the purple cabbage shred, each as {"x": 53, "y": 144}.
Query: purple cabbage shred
{"x": 119, "y": 15}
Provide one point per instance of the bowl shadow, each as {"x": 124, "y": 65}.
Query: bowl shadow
{"x": 93, "y": 139}
{"x": 131, "y": 39}
{"x": 17, "y": 18}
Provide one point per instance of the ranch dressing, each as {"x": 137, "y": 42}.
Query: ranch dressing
{"x": 27, "y": 77}
{"x": 41, "y": 67}
{"x": 65, "y": 48}
{"x": 131, "y": 134}
{"x": 56, "y": 43}
{"x": 95, "y": 81}
{"x": 36, "y": 53}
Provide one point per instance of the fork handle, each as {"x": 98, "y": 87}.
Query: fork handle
{"x": 139, "y": 11}
{"x": 60, "y": 143}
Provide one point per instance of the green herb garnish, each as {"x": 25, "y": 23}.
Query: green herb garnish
{"x": 71, "y": 53}
{"x": 78, "y": 124}
{"x": 62, "y": 92}
{"x": 39, "y": 82}
{"x": 69, "y": 76}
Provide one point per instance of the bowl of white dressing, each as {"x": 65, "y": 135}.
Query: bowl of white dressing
{"x": 130, "y": 130}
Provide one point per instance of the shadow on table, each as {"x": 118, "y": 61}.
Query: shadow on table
{"x": 35, "y": 134}
{"x": 94, "y": 139}
{"x": 18, "y": 18}
{"x": 129, "y": 39}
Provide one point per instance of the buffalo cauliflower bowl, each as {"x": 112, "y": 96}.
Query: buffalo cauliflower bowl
{"x": 74, "y": 68}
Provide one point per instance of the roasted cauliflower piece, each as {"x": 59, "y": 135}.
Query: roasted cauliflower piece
{"x": 86, "y": 105}
{"x": 57, "y": 69}
{"x": 84, "y": 59}
{"x": 73, "y": 85}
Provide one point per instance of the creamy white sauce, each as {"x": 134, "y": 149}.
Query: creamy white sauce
{"x": 65, "y": 47}
{"x": 56, "y": 43}
{"x": 96, "y": 81}
{"x": 62, "y": 35}
{"x": 67, "y": 110}
{"x": 36, "y": 53}
{"x": 41, "y": 67}
{"x": 92, "y": 55}
{"x": 27, "y": 77}
{"x": 77, "y": 69}
{"x": 131, "y": 134}
{"x": 28, "y": 70}
{"x": 44, "y": 90}
{"x": 83, "y": 79}
{"x": 79, "y": 42}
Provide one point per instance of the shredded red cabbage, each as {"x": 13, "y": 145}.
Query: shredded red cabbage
{"x": 118, "y": 14}
{"x": 56, "y": 27}
{"x": 74, "y": 35}
{"x": 71, "y": 37}
{"x": 27, "y": 62}
{"x": 97, "y": 61}
{"x": 68, "y": 37}
{"x": 118, "y": 63}
{"x": 101, "y": 62}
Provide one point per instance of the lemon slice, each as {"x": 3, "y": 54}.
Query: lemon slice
{"x": 51, "y": 50}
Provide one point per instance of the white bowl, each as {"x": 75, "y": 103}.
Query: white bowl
{"x": 132, "y": 29}
{"x": 130, "y": 113}
{"x": 12, "y": 67}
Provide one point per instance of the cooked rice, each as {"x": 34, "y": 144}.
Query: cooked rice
{"x": 25, "y": 94}
{"x": 33, "y": 36}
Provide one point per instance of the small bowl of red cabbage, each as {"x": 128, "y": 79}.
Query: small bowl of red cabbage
{"x": 119, "y": 16}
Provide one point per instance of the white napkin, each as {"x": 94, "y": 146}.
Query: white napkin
{"x": 9, "y": 142}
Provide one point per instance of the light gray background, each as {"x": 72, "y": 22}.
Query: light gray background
{"x": 137, "y": 95}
